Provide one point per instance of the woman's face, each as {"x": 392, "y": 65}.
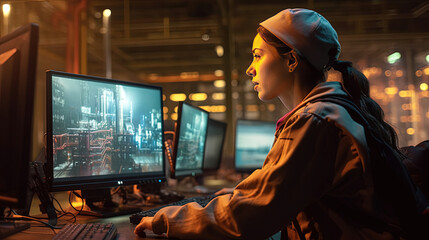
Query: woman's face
{"x": 268, "y": 70}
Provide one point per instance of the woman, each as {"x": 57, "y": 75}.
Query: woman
{"x": 319, "y": 159}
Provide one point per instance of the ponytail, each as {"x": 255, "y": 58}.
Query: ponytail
{"x": 357, "y": 85}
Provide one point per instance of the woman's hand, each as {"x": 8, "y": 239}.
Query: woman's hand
{"x": 145, "y": 223}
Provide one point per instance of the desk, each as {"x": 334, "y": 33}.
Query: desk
{"x": 125, "y": 229}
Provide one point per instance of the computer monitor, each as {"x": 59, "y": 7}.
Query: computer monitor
{"x": 253, "y": 141}
{"x": 102, "y": 133}
{"x": 190, "y": 140}
{"x": 214, "y": 145}
{"x": 18, "y": 57}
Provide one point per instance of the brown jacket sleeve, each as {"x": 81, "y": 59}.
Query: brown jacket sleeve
{"x": 298, "y": 170}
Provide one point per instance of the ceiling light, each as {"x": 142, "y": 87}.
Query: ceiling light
{"x": 107, "y": 12}
{"x": 394, "y": 57}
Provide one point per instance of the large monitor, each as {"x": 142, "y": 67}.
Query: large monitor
{"x": 253, "y": 141}
{"x": 214, "y": 145}
{"x": 18, "y": 57}
{"x": 190, "y": 140}
{"x": 102, "y": 133}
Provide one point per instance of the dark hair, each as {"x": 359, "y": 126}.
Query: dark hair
{"x": 357, "y": 85}
{"x": 354, "y": 82}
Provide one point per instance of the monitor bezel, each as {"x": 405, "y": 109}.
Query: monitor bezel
{"x": 224, "y": 126}
{"x": 32, "y": 29}
{"x": 94, "y": 182}
{"x": 241, "y": 169}
{"x": 185, "y": 172}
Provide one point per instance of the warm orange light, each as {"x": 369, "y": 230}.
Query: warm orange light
{"x": 405, "y": 93}
{"x": 6, "y": 9}
{"x": 187, "y": 75}
{"x": 173, "y": 116}
{"x": 423, "y": 86}
{"x": 165, "y": 109}
{"x": 271, "y": 107}
{"x": 252, "y": 108}
{"x": 406, "y": 106}
{"x": 198, "y": 97}
{"x": 426, "y": 71}
{"x": 107, "y": 13}
{"x": 419, "y": 73}
{"x": 399, "y": 73}
{"x": 218, "y": 73}
{"x": 410, "y": 131}
{"x": 388, "y": 73}
{"x": 391, "y": 90}
{"x": 218, "y": 96}
{"x": 219, "y": 83}
{"x": 366, "y": 72}
{"x": 214, "y": 108}
{"x": 176, "y": 97}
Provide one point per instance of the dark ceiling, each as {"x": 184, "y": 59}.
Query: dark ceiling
{"x": 156, "y": 40}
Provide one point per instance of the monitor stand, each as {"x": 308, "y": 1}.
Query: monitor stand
{"x": 9, "y": 227}
{"x": 100, "y": 204}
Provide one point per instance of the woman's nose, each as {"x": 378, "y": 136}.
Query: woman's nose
{"x": 250, "y": 71}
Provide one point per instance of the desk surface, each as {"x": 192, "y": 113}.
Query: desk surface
{"x": 125, "y": 228}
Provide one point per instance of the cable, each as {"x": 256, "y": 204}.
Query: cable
{"x": 21, "y": 217}
{"x": 63, "y": 213}
{"x": 83, "y": 202}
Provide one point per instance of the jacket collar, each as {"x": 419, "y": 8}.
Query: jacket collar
{"x": 321, "y": 89}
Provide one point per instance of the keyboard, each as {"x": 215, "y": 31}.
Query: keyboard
{"x": 202, "y": 200}
{"x": 94, "y": 231}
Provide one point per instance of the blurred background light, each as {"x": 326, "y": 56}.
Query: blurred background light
{"x": 410, "y": 131}
{"x": 198, "y": 97}
{"x": 107, "y": 12}
{"x": 218, "y": 73}
{"x": 218, "y": 96}
{"x": 219, "y": 50}
{"x": 219, "y": 83}
{"x": 391, "y": 90}
{"x": 6, "y": 9}
{"x": 176, "y": 97}
{"x": 394, "y": 57}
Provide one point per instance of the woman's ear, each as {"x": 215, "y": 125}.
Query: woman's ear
{"x": 291, "y": 60}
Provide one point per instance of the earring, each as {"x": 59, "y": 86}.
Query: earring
{"x": 290, "y": 69}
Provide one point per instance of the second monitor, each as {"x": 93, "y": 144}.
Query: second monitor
{"x": 190, "y": 140}
{"x": 214, "y": 145}
{"x": 253, "y": 141}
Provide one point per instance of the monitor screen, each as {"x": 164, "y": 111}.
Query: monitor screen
{"x": 253, "y": 141}
{"x": 18, "y": 57}
{"x": 214, "y": 145}
{"x": 103, "y": 132}
{"x": 191, "y": 132}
